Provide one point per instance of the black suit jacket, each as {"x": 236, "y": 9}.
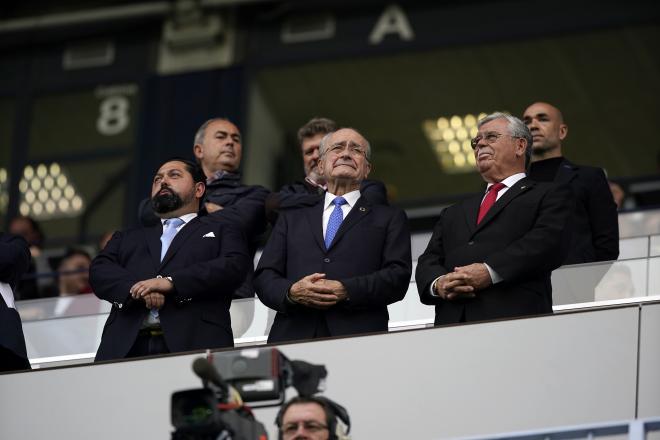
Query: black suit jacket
{"x": 370, "y": 256}
{"x": 523, "y": 237}
{"x": 303, "y": 194}
{"x": 14, "y": 262}
{"x": 243, "y": 207}
{"x": 205, "y": 272}
{"x": 596, "y": 222}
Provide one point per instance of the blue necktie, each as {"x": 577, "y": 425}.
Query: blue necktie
{"x": 336, "y": 217}
{"x": 169, "y": 231}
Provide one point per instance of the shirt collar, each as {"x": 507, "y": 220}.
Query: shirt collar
{"x": 351, "y": 198}
{"x": 185, "y": 217}
{"x": 509, "y": 181}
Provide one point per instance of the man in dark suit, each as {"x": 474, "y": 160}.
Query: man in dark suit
{"x": 332, "y": 269}
{"x": 595, "y": 223}
{"x": 491, "y": 256}
{"x": 312, "y": 188}
{"x": 14, "y": 262}
{"x": 170, "y": 284}
{"x": 218, "y": 148}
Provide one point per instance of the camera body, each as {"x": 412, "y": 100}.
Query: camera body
{"x": 256, "y": 376}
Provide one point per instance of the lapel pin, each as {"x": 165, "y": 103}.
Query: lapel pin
{"x": 362, "y": 208}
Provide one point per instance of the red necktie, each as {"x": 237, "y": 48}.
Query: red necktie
{"x": 489, "y": 200}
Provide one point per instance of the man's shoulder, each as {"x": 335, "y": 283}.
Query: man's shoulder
{"x": 584, "y": 170}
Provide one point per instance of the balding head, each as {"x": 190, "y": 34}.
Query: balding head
{"x": 546, "y": 123}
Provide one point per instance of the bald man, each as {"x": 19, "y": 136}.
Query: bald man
{"x": 595, "y": 223}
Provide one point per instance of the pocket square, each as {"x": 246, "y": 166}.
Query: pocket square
{"x": 210, "y": 234}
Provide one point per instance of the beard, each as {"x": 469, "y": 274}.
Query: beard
{"x": 166, "y": 202}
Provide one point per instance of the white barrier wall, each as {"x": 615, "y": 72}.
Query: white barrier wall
{"x": 567, "y": 369}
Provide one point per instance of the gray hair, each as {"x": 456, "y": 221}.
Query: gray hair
{"x": 517, "y": 129}
{"x": 323, "y": 145}
{"x": 201, "y": 131}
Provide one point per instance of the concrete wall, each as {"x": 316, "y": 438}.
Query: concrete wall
{"x": 567, "y": 369}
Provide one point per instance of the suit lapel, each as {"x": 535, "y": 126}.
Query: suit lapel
{"x": 180, "y": 238}
{"x": 566, "y": 172}
{"x": 359, "y": 211}
{"x": 471, "y": 210}
{"x": 315, "y": 219}
{"x": 520, "y": 187}
{"x": 152, "y": 235}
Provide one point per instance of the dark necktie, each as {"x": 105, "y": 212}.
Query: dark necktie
{"x": 336, "y": 217}
{"x": 489, "y": 200}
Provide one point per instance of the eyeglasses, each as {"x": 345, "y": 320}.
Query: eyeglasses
{"x": 353, "y": 148}
{"x": 308, "y": 425}
{"x": 490, "y": 137}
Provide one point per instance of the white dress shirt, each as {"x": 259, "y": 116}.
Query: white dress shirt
{"x": 351, "y": 199}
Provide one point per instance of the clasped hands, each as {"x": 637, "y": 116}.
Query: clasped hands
{"x": 317, "y": 292}
{"x": 463, "y": 282}
{"x": 152, "y": 291}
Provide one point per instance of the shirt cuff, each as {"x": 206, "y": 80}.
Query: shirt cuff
{"x": 494, "y": 276}
{"x": 433, "y": 284}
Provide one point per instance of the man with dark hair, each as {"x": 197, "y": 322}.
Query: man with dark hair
{"x": 218, "y": 148}
{"x": 313, "y": 418}
{"x": 491, "y": 255}
{"x": 333, "y": 268}
{"x": 595, "y": 223}
{"x": 14, "y": 262}
{"x": 170, "y": 284}
{"x": 310, "y": 190}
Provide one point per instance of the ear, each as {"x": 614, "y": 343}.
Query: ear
{"x": 321, "y": 166}
{"x": 199, "y": 189}
{"x": 521, "y": 146}
{"x": 369, "y": 168}
{"x": 563, "y": 131}
{"x": 198, "y": 151}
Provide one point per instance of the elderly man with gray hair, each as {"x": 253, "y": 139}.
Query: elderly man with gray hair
{"x": 331, "y": 269}
{"x": 491, "y": 255}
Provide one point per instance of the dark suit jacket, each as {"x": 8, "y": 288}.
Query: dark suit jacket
{"x": 370, "y": 256}
{"x": 205, "y": 271}
{"x": 523, "y": 237}
{"x": 596, "y": 222}
{"x": 303, "y": 194}
{"x": 243, "y": 206}
{"x": 14, "y": 262}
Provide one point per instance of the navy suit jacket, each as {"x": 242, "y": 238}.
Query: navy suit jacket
{"x": 205, "y": 271}
{"x": 596, "y": 221}
{"x": 523, "y": 237}
{"x": 14, "y": 262}
{"x": 370, "y": 256}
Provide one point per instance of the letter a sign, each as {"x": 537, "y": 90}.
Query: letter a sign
{"x": 392, "y": 21}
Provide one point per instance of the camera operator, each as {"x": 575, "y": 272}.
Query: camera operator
{"x": 312, "y": 418}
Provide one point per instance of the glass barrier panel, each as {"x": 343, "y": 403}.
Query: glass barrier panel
{"x": 638, "y": 223}
{"x": 637, "y": 247}
{"x": 599, "y": 282}
{"x": 654, "y": 249}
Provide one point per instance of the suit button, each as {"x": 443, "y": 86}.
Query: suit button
{"x": 326, "y": 260}
{"x": 470, "y": 243}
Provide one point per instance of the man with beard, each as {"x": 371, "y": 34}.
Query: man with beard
{"x": 491, "y": 255}
{"x": 311, "y": 189}
{"x": 333, "y": 268}
{"x": 595, "y": 223}
{"x": 218, "y": 148}
{"x": 170, "y": 284}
